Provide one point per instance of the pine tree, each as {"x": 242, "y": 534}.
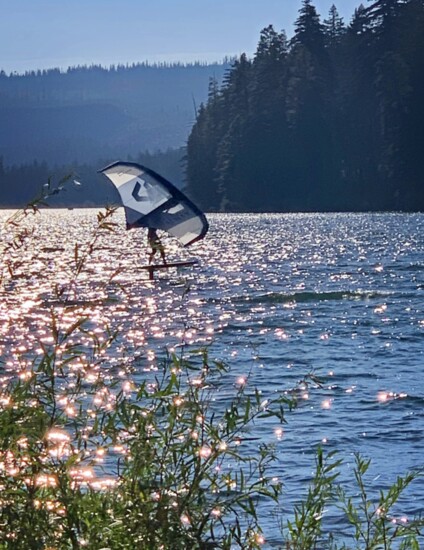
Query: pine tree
{"x": 334, "y": 28}
{"x": 202, "y": 148}
{"x": 333, "y": 121}
{"x": 267, "y": 127}
{"x": 309, "y": 32}
{"x": 383, "y": 17}
{"x": 309, "y": 98}
{"x": 231, "y": 170}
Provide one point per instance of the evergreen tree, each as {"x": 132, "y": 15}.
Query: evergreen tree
{"x": 231, "y": 171}
{"x": 202, "y": 149}
{"x": 410, "y": 186}
{"x": 383, "y": 18}
{"x": 332, "y": 121}
{"x": 309, "y": 97}
{"x": 268, "y": 129}
{"x": 269, "y": 73}
{"x": 308, "y": 31}
{"x": 334, "y": 28}
{"x": 382, "y": 14}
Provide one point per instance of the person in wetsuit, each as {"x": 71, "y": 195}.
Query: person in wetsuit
{"x": 155, "y": 244}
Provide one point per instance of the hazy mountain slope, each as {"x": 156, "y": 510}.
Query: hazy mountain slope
{"x": 91, "y": 112}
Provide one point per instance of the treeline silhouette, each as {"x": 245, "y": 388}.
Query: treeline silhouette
{"x": 83, "y": 185}
{"x": 330, "y": 120}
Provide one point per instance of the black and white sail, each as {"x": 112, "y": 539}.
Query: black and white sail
{"x": 152, "y": 201}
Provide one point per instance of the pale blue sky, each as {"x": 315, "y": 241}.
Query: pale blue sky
{"x": 38, "y": 34}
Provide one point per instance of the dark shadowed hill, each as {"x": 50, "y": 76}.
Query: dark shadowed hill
{"x": 87, "y": 113}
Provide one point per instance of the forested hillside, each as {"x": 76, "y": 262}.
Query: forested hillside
{"x": 54, "y": 124}
{"x": 82, "y": 185}
{"x": 88, "y": 113}
{"x": 332, "y": 119}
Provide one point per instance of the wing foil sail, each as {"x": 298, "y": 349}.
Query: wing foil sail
{"x": 152, "y": 201}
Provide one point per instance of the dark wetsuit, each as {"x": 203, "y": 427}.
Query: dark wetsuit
{"x": 155, "y": 244}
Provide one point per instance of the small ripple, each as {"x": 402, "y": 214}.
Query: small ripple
{"x": 304, "y": 297}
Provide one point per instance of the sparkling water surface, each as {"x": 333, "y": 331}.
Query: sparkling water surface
{"x": 276, "y": 296}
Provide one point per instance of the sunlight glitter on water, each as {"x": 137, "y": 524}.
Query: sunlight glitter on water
{"x": 277, "y": 296}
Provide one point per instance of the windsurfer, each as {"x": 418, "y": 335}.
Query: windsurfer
{"x": 155, "y": 244}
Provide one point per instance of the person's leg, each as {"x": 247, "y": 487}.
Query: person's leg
{"x": 152, "y": 255}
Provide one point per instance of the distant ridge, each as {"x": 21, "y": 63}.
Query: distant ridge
{"x": 89, "y": 112}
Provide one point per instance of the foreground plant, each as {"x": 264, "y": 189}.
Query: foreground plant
{"x": 375, "y": 522}
{"x": 179, "y": 477}
{"x": 18, "y": 229}
{"x": 306, "y": 529}
{"x": 88, "y": 458}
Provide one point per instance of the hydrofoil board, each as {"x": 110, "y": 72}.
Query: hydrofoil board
{"x": 151, "y": 268}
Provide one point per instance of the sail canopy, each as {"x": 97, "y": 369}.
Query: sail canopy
{"x": 152, "y": 201}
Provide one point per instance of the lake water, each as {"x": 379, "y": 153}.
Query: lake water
{"x": 277, "y": 296}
